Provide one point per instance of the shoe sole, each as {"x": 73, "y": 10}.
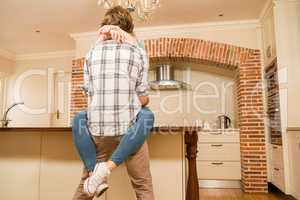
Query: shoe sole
{"x": 102, "y": 190}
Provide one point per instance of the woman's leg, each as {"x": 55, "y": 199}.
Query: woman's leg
{"x": 134, "y": 138}
{"x": 129, "y": 144}
{"x": 83, "y": 141}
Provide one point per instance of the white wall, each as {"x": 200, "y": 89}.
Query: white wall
{"x": 239, "y": 33}
{"x": 6, "y": 68}
{"x": 6, "y": 65}
{"x": 34, "y": 90}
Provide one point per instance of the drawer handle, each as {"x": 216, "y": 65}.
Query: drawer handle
{"x": 276, "y": 169}
{"x": 215, "y": 133}
{"x": 217, "y": 145}
{"x": 274, "y": 147}
{"x": 217, "y": 163}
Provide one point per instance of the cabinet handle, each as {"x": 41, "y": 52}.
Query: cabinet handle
{"x": 217, "y": 145}
{"x": 276, "y": 169}
{"x": 215, "y": 133}
{"x": 217, "y": 163}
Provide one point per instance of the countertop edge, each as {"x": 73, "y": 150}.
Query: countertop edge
{"x": 154, "y": 129}
{"x": 293, "y": 129}
{"x": 68, "y": 129}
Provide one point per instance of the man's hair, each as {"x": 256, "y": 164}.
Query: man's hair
{"x": 120, "y": 17}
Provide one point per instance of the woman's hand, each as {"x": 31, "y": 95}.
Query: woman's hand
{"x": 115, "y": 33}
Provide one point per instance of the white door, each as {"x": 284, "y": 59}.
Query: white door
{"x": 61, "y": 99}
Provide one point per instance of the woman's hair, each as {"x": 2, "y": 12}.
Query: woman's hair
{"x": 120, "y": 17}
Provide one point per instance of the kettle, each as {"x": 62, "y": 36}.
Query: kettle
{"x": 223, "y": 122}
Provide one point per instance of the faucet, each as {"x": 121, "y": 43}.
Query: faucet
{"x": 4, "y": 120}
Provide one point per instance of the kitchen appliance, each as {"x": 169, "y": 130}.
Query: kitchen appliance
{"x": 165, "y": 79}
{"x": 223, "y": 122}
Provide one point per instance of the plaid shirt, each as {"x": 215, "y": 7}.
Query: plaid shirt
{"x": 114, "y": 76}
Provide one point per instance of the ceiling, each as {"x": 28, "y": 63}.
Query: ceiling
{"x": 56, "y": 19}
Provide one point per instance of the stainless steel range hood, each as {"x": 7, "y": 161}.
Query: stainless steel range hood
{"x": 165, "y": 79}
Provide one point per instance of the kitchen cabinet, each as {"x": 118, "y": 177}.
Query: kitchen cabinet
{"x": 268, "y": 34}
{"x": 19, "y": 166}
{"x": 294, "y": 152}
{"x": 218, "y": 157}
{"x": 277, "y": 167}
{"x": 43, "y": 164}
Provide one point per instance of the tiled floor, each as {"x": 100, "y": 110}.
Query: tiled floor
{"x": 236, "y": 194}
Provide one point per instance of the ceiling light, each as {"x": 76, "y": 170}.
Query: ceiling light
{"x": 141, "y": 8}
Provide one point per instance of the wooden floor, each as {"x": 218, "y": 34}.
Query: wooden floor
{"x": 236, "y": 194}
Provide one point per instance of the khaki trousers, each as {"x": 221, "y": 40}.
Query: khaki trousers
{"x": 137, "y": 167}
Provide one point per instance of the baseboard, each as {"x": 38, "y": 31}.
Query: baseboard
{"x": 273, "y": 188}
{"x": 223, "y": 184}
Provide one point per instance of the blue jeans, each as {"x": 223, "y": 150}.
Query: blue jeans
{"x": 131, "y": 141}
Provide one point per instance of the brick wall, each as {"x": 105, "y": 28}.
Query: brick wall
{"x": 78, "y": 99}
{"x": 251, "y": 123}
{"x": 249, "y": 94}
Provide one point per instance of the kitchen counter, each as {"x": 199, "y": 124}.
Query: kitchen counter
{"x": 38, "y": 129}
{"x": 50, "y": 142}
{"x": 169, "y": 129}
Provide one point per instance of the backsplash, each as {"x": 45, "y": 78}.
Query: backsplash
{"x": 212, "y": 93}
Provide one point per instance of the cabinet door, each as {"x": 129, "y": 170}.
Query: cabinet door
{"x": 60, "y": 168}
{"x": 294, "y": 144}
{"x": 210, "y": 170}
{"x": 120, "y": 186}
{"x": 166, "y": 162}
{"x": 219, "y": 152}
{"x": 269, "y": 41}
{"x": 19, "y": 166}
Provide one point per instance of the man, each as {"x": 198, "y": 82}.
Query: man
{"x": 117, "y": 78}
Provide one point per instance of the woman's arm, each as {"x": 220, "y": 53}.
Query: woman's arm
{"x": 115, "y": 33}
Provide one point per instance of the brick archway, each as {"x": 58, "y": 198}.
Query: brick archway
{"x": 247, "y": 62}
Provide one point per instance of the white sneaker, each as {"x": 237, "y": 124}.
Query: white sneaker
{"x": 96, "y": 183}
{"x": 101, "y": 189}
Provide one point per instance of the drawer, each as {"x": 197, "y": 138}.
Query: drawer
{"x": 219, "y": 151}
{"x": 219, "y": 136}
{"x": 219, "y": 170}
{"x": 278, "y": 178}
{"x": 277, "y": 156}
